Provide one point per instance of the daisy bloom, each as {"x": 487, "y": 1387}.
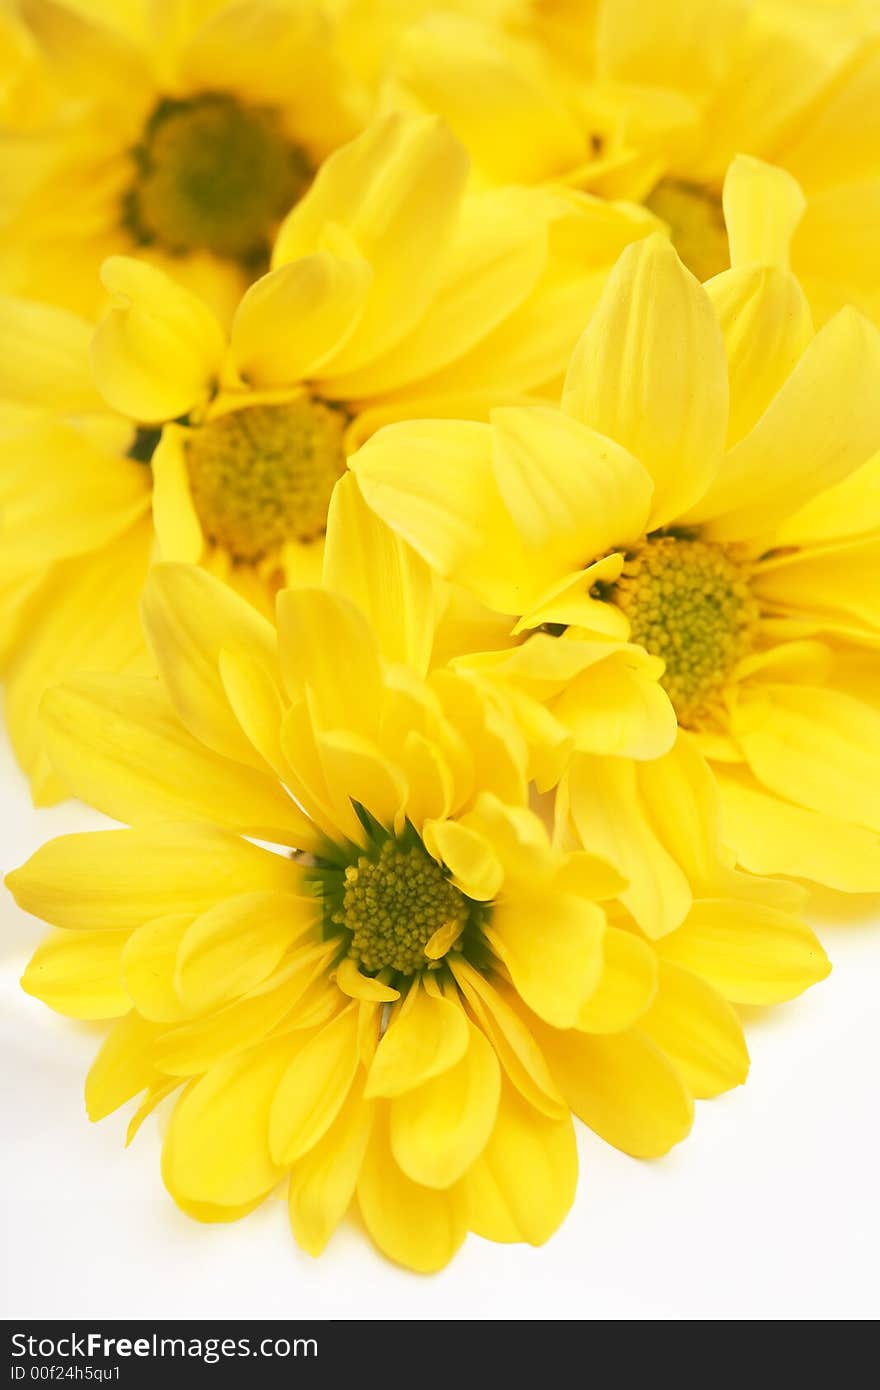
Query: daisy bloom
{"x": 338, "y": 931}
{"x": 708, "y": 491}
{"x": 651, "y": 101}
{"x": 181, "y": 132}
{"x": 392, "y": 293}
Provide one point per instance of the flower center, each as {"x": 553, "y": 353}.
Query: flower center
{"x": 696, "y": 225}
{"x": 393, "y": 902}
{"x": 213, "y": 175}
{"x": 688, "y": 601}
{"x": 263, "y": 475}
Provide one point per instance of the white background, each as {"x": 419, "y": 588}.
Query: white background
{"x": 771, "y": 1209}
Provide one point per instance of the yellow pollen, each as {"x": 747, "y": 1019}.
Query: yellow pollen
{"x": 393, "y": 903}
{"x": 263, "y": 475}
{"x": 689, "y": 602}
{"x": 213, "y": 175}
{"x": 696, "y": 225}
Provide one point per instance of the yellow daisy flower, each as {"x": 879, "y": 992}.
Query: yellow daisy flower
{"x": 708, "y": 490}
{"x": 336, "y": 924}
{"x": 392, "y": 294}
{"x": 183, "y": 132}
{"x": 651, "y": 101}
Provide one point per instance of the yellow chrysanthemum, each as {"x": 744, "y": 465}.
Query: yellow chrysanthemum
{"x": 183, "y": 132}
{"x": 392, "y": 294}
{"x": 397, "y": 996}
{"x": 708, "y": 490}
{"x": 651, "y": 101}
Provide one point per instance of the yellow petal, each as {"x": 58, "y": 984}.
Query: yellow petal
{"x": 394, "y": 192}
{"x": 440, "y": 1128}
{"x": 314, "y": 1088}
{"x": 79, "y": 974}
{"x": 118, "y": 744}
{"x": 426, "y": 1037}
{"x": 158, "y": 347}
{"x": 358, "y": 986}
{"x": 115, "y": 879}
{"x": 751, "y": 953}
{"x": 83, "y": 617}
{"x": 610, "y": 820}
{"x": 123, "y": 1066}
{"x": 474, "y": 866}
{"x": 566, "y": 487}
{"x": 817, "y": 747}
{"x": 627, "y": 986}
{"x": 418, "y": 1227}
{"x": 316, "y": 630}
{"x": 699, "y": 1030}
{"x": 552, "y": 947}
{"x": 650, "y": 372}
{"x": 767, "y": 326}
{"x": 298, "y": 996}
{"x": 618, "y": 707}
{"x": 688, "y": 46}
{"x": 233, "y": 947}
{"x": 322, "y": 294}
{"x": 823, "y": 423}
{"x": 524, "y": 1183}
{"x": 44, "y": 356}
{"x": 623, "y": 1087}
{"x": 770, "y": 835}
{"x": 323, "y": 1181}
{"x": 515, "y": 1046}
{"x": 189, "y": 617}
{"x": 148, "y": 967}
{"x": 217, "y": 1146}
{"x": 178, "y": 529}
{"x": 65, "y": 491}
{"x": 499, "y": 251}
{"x": 762, "y": 207}
{"x": 433, "y": 483}
{"x": 515, "y": 127}
{"x": 366, "y": 562}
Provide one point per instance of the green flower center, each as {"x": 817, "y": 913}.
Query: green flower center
{"x": 696, "y": 225}
{"x": 689, "y": 602}
{"x": 394, "y": 900}
{"x": 213, "y": 175}
{"x": 263, "y": 475}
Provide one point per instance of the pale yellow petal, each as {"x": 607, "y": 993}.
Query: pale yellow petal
{"x": 189, "y": 617}
{"x": 611, "y": 821}
{"x": 771, "y": 835}
{"x": 158, "y": 347}
{"x": 649, "y": 371}
{"x": 762, "y": 207}
{"x": 323, "y": 1181}
{"x": 118, "y": 744}
{"x": 823, "y": 423}
{"x": 369, "y": 564}
{"x": 321, "y": 294}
